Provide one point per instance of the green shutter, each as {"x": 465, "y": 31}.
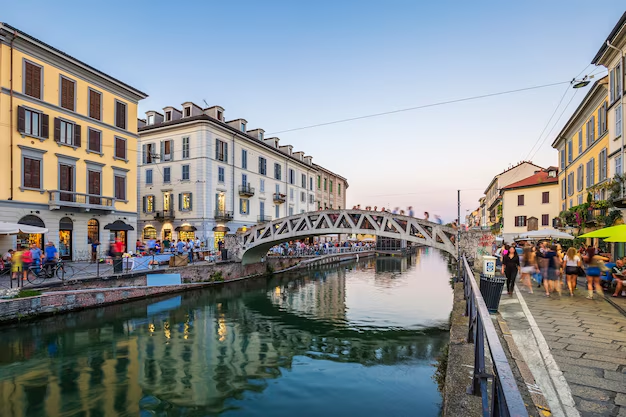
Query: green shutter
{"x": 180, "y": 202}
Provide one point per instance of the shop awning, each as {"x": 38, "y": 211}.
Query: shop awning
{"x": 222, "y": 229}
{"x": 13, "y": 229}
{"x": 118, "y": 226}
{"x": 186, "y": 228}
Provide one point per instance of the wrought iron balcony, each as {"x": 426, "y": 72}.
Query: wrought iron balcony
{"x": 59, "y": 199}
{"x": 165, "y": 215}
{"x": 246, "y": 190}
{"x": 279, "y": 198}
{"x": 223, "y": 216}
{"x": 264, "y": 219}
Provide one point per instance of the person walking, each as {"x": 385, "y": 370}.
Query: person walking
{"x": 426, "y": 216}
{"x": 529, "y": 266}
{"x": 27, "y": 261}
{"x": 94, "y": 251}
{"x": 594, "y": 264}
{"x": 410, "y": 211}
{"x": 510, "y": 268}
{"x": 51, "y": 255}
{"x": 37, "y": 256}
{"x": 16, "y": 263}
{"x": 551, "y": 281}
{"x": 571, "y": 261}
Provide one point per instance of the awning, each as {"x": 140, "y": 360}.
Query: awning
{"x": 223, "y": 229}
{"x": 186, "y": 228}
{"x": 15, "y": 228}
{"x": 118, "y": 226}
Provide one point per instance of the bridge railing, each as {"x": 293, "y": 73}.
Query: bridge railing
{"x": 299, "y": 252}
{"x": 503, "y": 398}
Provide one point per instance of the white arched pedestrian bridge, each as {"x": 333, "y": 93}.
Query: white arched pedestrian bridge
{"x": 252, "y": 245}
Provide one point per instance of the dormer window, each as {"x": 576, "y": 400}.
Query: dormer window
{"x": 151, "y": 119}
{"x": 243, "y": 127}
{"x": 168, "y": 115}
{"x": 220, "y": 115}
{"x": 260, "y": 135}
{"x": 188, "y": 111}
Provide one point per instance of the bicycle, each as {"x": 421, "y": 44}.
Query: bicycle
{"x": 38, "y": 273}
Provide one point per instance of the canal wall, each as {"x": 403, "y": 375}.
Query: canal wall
{"x": 83, "y": 294}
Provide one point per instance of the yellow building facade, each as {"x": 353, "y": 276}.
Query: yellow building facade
{"x": 583, "y": 146}
{"x": 69, "y": 134}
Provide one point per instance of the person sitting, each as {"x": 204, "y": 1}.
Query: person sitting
{"x": 618, "y": 277}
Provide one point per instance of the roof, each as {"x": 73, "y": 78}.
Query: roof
{"x": 495, "y": 177}
{"x": 6, "y": 26}
{"x": 620, "y": 24}
{"x": 540, "y": 178}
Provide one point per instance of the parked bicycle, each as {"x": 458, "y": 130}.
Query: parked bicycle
{"x": 38, "y": 274}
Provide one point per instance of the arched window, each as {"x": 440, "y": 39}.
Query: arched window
{"x": 93, "y": 231}
{"x": 149, "y": 232}
{"x": 25, "y": 239}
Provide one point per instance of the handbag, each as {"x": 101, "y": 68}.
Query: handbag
{"x": 580, "y": 272}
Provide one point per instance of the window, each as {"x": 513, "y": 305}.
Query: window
{"x": 291, "y": 211}
{"x": 303, "y": 180}
{"x": 520, "y": 221}
{"x": 592, "y": 129}
{"x": 618, "y": 165}
{"x": 618, "y": 120}
{"x": 244, "y": 206}
{"x": 260, "y": 135}
{"x": 580, "y": 199}
{"x": 244, "y": 179}
{"x": 520, "y": 200}
{"x": 331, "y": 187}
{"x": 602, "y": 125}
{"x": 148, "y": 204}
{"x": 150, "y": 119}
{"x": 32, "y": 79}
{"x": 545, "y": 219}
{"x": 67, "y": 93}
{"x": 167, "y": 174}
{"x": 94, "y": 185}
{"x": 167, "y": 201}
{"x": 562, "y": 153}
{"x": 602, "y": 165}
{"x": 120, "y": 114}
{"x": 311, "y": 183}
{"x": 570, "y": 183}
{"x": 120, "y": 187}
{"x": 339, "y": 189}
{"x": 220, "y": 174}
{"x": 186, "y": 147}
{"x": 220, "y": 115}
{"x": 94, "y": 143}
{"x": 319, "y": 182}
{"x": 187, "y": 111}
{"x": 262, "y": 166}
{"x": 325, "y": 180}
{"x": 66, "y": 132}
{"x": 570, "y": 151}
{"x": 563, "y": 190}
{"x": 580, "y": 141}
{"x": 292, "y": 176}
{"x": 262, "y": 185}
{"x": 95, "y": 105}
{"x": 221, "y": 150}
{"x": 184, "y": 201}
{"x": 148, "y": 176}
{"x": 580, "y": 173}
{"x": 277, "y": 171}
{"x": 243, "y": 127}
{"x": 148, "y": 153}
{"x": 591, "y": 168}
{"x": 615, "y": 87}
{"x": 291, "y": 194}
{"x": 302, "y": 197}
{"x": 31, "y": 173}
{"x": 277, "y": 211}
{"x": 120, "y": 148}
{"x": 185, "y": 172}
{"x": 168, "y": 115}
{"x": 167, "y": 150}
{"x": 244, "y": 159}
{"x": 277, "y": 188}
{"x": 311, "y": 199}
{"x": 31, "y": 122}
{"x": 545, "y": 197}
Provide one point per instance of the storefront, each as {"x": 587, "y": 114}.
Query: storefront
{"x": 26, "y": 239}
{"x": 149, "y": 232}
{"x": 66, "y": 226}
{"x": 93, "y": 231}
{"x": 118, "y": 230}
{"x": 186, "y": 232}
{"x": 167, "y": 234}
{"x": 218, "y": 235}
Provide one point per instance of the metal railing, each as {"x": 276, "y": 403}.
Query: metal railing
{"x": 263, "y": 219}
{"x": 594, "y": 214}
{"x": 246, "y": 190}
{"x": 60, "y": 198}
{"x": 506, "y": 400}
{"x": 223, "y": 215}
{"x": 281, "y": 251}
{"x": 164, "y": 215}
{"x": 279, "y": 198}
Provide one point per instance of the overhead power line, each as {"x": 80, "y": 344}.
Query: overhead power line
{"x": 441, "y": 103}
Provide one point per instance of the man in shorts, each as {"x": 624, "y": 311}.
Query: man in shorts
{"x": 618, "y": 277}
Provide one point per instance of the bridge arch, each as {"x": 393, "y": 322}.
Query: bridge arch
{"x": 251, "y": 246}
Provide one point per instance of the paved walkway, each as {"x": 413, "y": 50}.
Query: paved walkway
{"x": 574, "y": 347}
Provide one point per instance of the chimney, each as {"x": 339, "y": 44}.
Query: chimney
{"x": 216, "y": 112}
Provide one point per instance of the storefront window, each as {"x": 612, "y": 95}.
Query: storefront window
{"x": 93, "y": 231}
{"x": 149, "y": 232}
{"x": 167, "y": 234}
{"x": 26, "y": 239}
{"x": 218, "y": 236}
{"x": 186, "y": 235}
{"x": 65, "y": 238}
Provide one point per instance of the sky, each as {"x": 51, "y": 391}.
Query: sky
{"x": 283, "y": 65}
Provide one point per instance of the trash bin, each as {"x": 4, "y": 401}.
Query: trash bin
{"x": 224, "y": 254}
{"x": 491, "y": 290}
{"x": 117, "y": 265}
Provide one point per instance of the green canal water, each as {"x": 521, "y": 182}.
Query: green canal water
{"x": 356, "y": 339}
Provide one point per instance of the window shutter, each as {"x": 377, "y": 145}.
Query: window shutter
{"x": 190, "y": 201}
{"x": 57, "y": 129}
{"x": 45, "y": 121}
{"x": 77, "y": 135}
{"x": 240, "y": 206}
{"x": 171, "y": 149}
{"x": 180, "y": 202}
{"x": 217, "y": 149}
{"x": 144, "y": 204}
{"x": 225, "y": 152}
{"x": 162, "y": 150}
{"x": 144, "y": 155}
{"x": 21, "y": 119}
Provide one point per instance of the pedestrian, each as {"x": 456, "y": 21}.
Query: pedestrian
{"x": 27, "y": 261}
{"x": 529, "y": 266}
{"x": 190, "y": 249}
{"x": 180, "y": 247}
{"x": 594, "y": 263}
{"x": 572, "y": 262}
{"x": 94, "y": 251}
{"x": 151, "y": 246}
{"x": 16, "y": 263}
{"x": 410, "y": 210}
{"x": 510, "y": 268}
{"x": 618, "y": 276}
{"x": 37, "y": 255}
{"x": 50, "y": 258}
{"x": 551, "y": 280}
{"x": 166, "y": 244}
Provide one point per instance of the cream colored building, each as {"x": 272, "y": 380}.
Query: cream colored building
{"x": 534, "y": 196}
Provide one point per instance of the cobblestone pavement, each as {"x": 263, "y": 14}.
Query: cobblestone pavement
{"x": 574, "y": 347}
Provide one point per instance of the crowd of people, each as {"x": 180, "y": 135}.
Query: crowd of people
{"x": 553, "y": 267}
{"x": 298, "y": 247}
{"x": 189, "y": 247}
{"x": 22, "y": 259}
{"x": 409, "y": 212}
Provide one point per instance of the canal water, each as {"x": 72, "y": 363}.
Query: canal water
{"x": 356, "y": 339}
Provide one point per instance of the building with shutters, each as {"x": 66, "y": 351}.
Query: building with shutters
{"x": 201, "y": 176}
{"x": 69, "y": 135}
{"x": 330, "y": 189}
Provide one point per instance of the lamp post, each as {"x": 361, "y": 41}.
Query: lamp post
{"x": 621, "y": 92}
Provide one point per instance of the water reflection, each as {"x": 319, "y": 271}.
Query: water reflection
{"x": 240, "y": 349}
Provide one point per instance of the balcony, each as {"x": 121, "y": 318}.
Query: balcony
{"x": 223, "y": 216}
{"x": 263, "y": 219}
{"x": 164, "y": 216}
{"x": 279, "y": 198}
{"x": 246, "y": 190}
{"x": 59, "y": 199}
{"x": 595, "y": 216}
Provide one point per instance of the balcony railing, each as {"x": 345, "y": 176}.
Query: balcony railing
{"x": 263, "y": 219}
{"x": 59, "y": 199}
{"x": 279, "y": 198}
{"x": 593, "y": 215}
{"x": 223, "y": 216}
{"x": 246, "y": 190}
{"x": 164, "y": 215}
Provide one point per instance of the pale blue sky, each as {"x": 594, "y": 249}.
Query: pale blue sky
{"x": 286, "y": 64}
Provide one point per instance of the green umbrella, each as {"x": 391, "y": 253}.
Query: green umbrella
{"x": 618, "y": 236}
{"x": 606, "y": 232}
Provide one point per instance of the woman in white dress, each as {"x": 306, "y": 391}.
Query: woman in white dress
{"x": 572, "y": 262}
{"x": 529, "y": 267}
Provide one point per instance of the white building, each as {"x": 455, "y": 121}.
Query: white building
{"x": 202, "y": 176}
